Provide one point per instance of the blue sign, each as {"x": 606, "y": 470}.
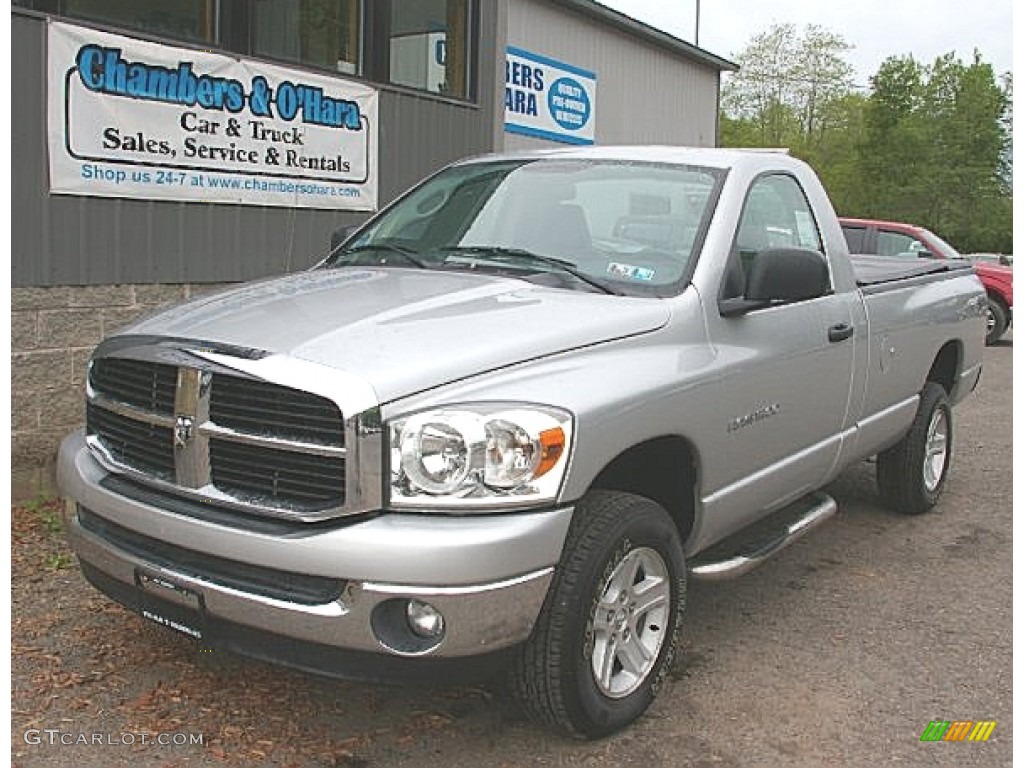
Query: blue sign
{"x": 569, "y": 104}
{"x": 549, "y": 99}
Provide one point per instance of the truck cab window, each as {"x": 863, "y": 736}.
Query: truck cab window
{"x": 775, "y": 215}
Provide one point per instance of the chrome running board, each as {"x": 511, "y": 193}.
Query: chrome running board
{"x": 822, "y": 508}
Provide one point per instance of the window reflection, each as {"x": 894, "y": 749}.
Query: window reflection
{"x": 421, "y": 44}
{"x": 183, "y": 19}
{"x": 429, "y": 45}
{"x": 324, "y": 33}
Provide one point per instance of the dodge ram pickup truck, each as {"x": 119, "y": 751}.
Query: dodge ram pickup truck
{"x": 508, "y": 418}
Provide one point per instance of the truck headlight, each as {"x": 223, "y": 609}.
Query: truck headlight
{"x": 479, "y": 456}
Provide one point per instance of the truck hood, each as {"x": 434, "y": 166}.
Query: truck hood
{"x": 406, "y": 330}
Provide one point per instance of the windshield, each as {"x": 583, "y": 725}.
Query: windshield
{"x": 624, "y": 227}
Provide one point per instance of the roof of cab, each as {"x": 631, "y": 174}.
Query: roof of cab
{"x": 712, "y": 157}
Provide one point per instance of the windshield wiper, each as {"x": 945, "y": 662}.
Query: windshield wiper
{"x": 407, "y": 254}
{"x": 549, "y": 261}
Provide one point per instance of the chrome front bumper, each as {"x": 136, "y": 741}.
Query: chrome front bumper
{"x": 487, "y": 575}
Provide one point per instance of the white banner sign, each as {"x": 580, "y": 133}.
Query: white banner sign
{"x": 549, "y": 99}
{"x": 130, "y": 118}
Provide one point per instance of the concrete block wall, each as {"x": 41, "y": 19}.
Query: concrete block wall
{"x": 53, "y": 331}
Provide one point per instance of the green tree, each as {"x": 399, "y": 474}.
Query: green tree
{"x": 786, "y": 85}
{"x": 936, "y": 150}
{"x": 835, "y": 152}
{"x": 928, "y": 144}
{"x": 895, "y": 154}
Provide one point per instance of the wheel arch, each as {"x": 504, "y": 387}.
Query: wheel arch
{"x": 664, "y": 469}
{"x": 945, "y": 368}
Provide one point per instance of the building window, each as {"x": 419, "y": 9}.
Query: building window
{"x": 429, "y": 45}
{"x": 421, "y": 44}
{"x": 323, "y": 33}
{"x": 193, "y": 20}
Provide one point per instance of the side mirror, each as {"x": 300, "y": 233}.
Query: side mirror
{"x": 340, "y": 235}
{"x": 780, "y": 276}
{"x": 787, "y": 274}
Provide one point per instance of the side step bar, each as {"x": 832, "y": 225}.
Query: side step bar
{"x": 822, "y": 508}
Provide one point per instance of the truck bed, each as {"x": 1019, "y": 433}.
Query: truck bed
{"x": 875, "y": 271}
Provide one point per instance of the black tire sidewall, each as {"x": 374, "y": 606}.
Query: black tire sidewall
{"x": 900, "y": 469}
{"x": 936, "y": 401}
{"x": 645, "y": 524}
{"x": 1001, "y": 322}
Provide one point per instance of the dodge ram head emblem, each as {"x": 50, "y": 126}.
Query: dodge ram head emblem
{"x": 182, "y": 431}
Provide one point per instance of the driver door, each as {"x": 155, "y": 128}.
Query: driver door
{"x": 787, "y": 371}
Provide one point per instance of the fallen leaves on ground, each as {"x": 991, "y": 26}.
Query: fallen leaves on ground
{"x": 83, "y": 664}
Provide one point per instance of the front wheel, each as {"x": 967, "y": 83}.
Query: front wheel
{"x": 912, "y": 473}
{"x": 606, "y": 636}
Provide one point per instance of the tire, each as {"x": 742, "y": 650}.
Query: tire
{"x": 571, "y": 674}
{"x": 912, "y": 474}
{"x": 998, "y": 321}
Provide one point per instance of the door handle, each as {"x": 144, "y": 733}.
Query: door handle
{"x": 840, "y": 332}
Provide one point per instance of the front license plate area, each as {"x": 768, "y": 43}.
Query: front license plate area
{"x": 170, "y": 604}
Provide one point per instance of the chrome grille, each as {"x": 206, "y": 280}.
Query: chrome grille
{"x": 281, "y": 475}
{"x": 247, "y": 443}
{"x": 145, "y": 385}
{"x": 147, "y": 447}
{"x": 261, "y": 408}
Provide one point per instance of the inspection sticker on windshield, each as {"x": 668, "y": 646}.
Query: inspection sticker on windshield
{"x": 630, "y": 272}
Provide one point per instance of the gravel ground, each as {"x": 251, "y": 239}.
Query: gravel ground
{"x": 837, "y": 652}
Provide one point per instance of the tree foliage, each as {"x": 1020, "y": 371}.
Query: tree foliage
{"x": 928, "y": 144}
{"x": 787, "y": 81}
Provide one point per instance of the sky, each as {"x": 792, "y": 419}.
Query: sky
{"x": 877, "y": 28}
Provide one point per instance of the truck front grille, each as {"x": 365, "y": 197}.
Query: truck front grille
{"x": 266, "y": 448}
{"x": 259, "y": 407}
{"x": 146, "y": 447}
{"x": 149, "y": 386}
{"x": 287, "y": 476}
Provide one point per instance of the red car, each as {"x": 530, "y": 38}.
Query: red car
{"x": 890, "y": 238}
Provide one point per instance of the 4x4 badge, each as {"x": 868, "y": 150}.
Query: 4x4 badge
{"x": 182, "y": 431}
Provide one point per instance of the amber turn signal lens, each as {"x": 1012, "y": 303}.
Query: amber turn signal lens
{"x": 552, "y": 444}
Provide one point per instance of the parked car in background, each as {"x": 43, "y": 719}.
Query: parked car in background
{"x": 891, "y": 238}
{"x": 1005, "y": 259}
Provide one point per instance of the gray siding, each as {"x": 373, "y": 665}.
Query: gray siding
{"x": 645, "y": 93}
{"x": 67, "y": 240}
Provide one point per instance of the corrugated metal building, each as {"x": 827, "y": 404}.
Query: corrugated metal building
{"x": 444, "y": 79}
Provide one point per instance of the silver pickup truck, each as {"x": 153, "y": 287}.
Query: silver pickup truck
{"x": 506, "y": 420}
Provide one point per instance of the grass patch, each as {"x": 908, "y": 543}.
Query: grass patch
{"x": 46, "y": 509}
{"x": 58, "y": 561}
{"x": 38, "y": 532}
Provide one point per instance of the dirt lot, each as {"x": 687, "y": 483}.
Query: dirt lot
{"x": 837, "y": 652}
